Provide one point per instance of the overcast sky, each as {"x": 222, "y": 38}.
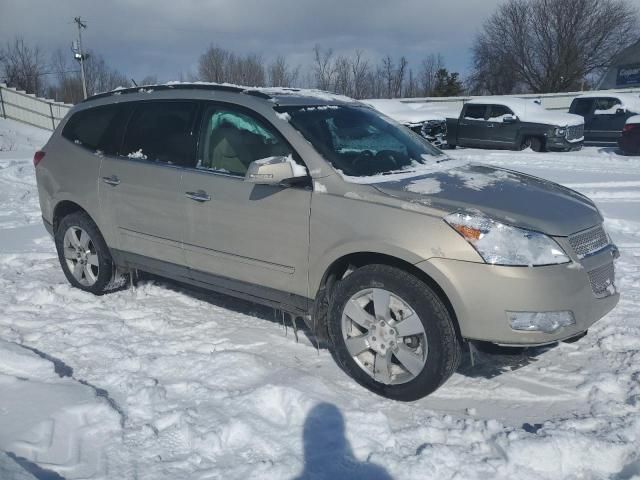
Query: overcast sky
{"x": 165, "y": 37}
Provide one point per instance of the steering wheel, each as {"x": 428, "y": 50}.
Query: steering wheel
{"x": 363, "y": 156}
{"x": 388, "y": 158}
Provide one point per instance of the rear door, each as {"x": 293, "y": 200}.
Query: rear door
{"x": 607, "y": 122}
{"x": 584, "y": 108}
{"x": 499, "y": 133}
{"x": 139, "y": 186}
{"x": 241, "y": 236}
{"x": 472, "y": 126}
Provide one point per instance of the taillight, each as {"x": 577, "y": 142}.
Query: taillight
{"x": 630, "y": 126}
{"x": 37, "y": 157}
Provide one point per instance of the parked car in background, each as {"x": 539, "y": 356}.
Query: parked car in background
{"x": 629, "y": 141}
{"x": 320, "y": 206}
{"x": 514, "y": 123}
{"x": 605, "y": 115}
{"x": 416, "y": 116}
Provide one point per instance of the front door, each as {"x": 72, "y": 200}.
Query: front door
{"x": 240, "y": 235}
{"x": 584, "y": 108}
{"x": 499, "y": 133}
{"x": 472, "y": 126}
{"x": 139, "y": 187}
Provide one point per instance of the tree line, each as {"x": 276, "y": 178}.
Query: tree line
{"x": 526, "y": 46}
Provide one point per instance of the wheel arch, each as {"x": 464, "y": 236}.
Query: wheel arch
{"x": 337, "y": 269}
{"x": 64, "y": 208}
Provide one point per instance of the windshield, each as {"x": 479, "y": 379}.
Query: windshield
{"x": 360, "y": 142}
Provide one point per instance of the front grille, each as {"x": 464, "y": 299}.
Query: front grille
{"x": 575, "y": 132}
{"x": 435, "y": 131}
{"x": 589, "y": 241}
{"x": 603, "y": 280}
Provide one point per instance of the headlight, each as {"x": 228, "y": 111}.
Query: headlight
{"x": 500, "y": 244}
{"x": 560, "y": 132}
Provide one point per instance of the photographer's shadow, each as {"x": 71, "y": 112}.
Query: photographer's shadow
{"x": 327, "y": 453}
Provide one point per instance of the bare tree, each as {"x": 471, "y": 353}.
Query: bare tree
{"x": 428, "y": 70}
{"x": 281, "y": 74}
{"x": 359, "y": 75}
{"x": 212, "y": 65}
{"x": 23, "y": 66}
{"x": 552, "y": 45}
{"x": 324, "y": 68}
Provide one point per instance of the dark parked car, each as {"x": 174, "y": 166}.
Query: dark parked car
{"x": 605, "y": 116}
{"x": 630, "y": 140}
{"x": 514, "y": 123}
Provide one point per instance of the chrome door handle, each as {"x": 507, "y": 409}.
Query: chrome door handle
{"x": 199, "y": 196}
{"x": 112, "y": 180}
{"x": 491, "y": 125}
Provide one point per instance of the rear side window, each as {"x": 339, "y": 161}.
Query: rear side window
{"x": 475, "y": 112}
{"x": 607, "y": 106}
{"x": 162, "y": 132}
{"x": 581, "y": 107}
{"x": 89, "y": 128}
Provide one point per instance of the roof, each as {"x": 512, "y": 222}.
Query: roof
{"x": 277, "y": 95}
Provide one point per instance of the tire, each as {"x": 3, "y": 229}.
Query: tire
{"x": 438, "y": 348}
{"x": 452, "y": 146}
{"x": 80, "y": 244}
{"x": 535, "y": 143}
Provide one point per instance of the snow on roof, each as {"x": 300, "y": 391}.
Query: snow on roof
{"x": 630, "y": 101}
{"x": 529, "y": 110}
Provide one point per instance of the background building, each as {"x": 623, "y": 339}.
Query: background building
{"x": 625, "y": 70}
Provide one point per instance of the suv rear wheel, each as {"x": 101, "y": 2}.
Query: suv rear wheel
{"x": 534, "y": 143}
{"x": 84, "y": 256}
{"x": 392, "y": 333}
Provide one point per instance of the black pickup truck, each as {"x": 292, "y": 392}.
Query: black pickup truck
{"x": 514, "y": 123}
{"x": 605, "y": 115}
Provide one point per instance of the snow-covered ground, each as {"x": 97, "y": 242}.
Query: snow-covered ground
{"x": 165, "y": 382}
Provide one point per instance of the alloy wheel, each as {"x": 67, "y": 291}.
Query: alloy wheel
{"x": 384, "y": 336}
{"x": 81, "y": 256}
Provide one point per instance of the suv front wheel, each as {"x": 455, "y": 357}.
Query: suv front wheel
{"x": 392, "y": 333}
{"x": 84, "y": 255}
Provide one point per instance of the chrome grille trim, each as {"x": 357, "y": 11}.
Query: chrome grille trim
{"x": 575, "y": 132}
{"x": 603, "y": 280}
{"x": 588, "y": 242}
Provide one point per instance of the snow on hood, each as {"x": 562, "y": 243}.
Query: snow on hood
{"x": 528, "y": 110}
{"x": 511, "y": 197}
{"x": 634, "y": 119}
{"x": 404, "y": 113}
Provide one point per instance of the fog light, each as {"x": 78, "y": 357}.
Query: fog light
{"x": 547, "y": 322}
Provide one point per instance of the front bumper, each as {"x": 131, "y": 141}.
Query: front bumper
{"x": 481, "y": 296}
{"x": 562, "y": 144}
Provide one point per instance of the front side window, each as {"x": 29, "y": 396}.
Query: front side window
{"x": 89, "y": 128}
{"x": 497, "y": 112}
{"x": 231, "y": 140}
{"x": 475, "y": 112}
{"x": 162, "y": 132}
{"x": 360, "y": 142}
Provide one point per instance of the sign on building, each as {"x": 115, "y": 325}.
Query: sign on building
{"x": 628, "y": 75}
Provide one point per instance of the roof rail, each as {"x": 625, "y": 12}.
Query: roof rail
{"x": 178, "y": 86}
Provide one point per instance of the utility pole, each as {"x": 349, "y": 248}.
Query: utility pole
{"x": 79, "y": 55}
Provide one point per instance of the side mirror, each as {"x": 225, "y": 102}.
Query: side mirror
{"x": 274, "y": 171}
{"x": 621, "y": 111}
{"x": 509, "y": 119}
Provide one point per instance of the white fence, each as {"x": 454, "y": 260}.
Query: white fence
{"x": 550, "y": 101}
{"x": 27, "y": 108}
{"x": 45, "y": 113}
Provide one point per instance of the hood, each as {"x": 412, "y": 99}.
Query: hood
{"x": 557, "y": 119}
{"x": 402, "y": 112}
{"x": 510, "y": 197}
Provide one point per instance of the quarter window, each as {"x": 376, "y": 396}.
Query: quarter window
{"x": 607, "y": 106}
{"x": 231, "y": 140}
{"x": 475, "y": 112}
{"x": 89, "y": 128}
{"x": 162, "y": 132}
